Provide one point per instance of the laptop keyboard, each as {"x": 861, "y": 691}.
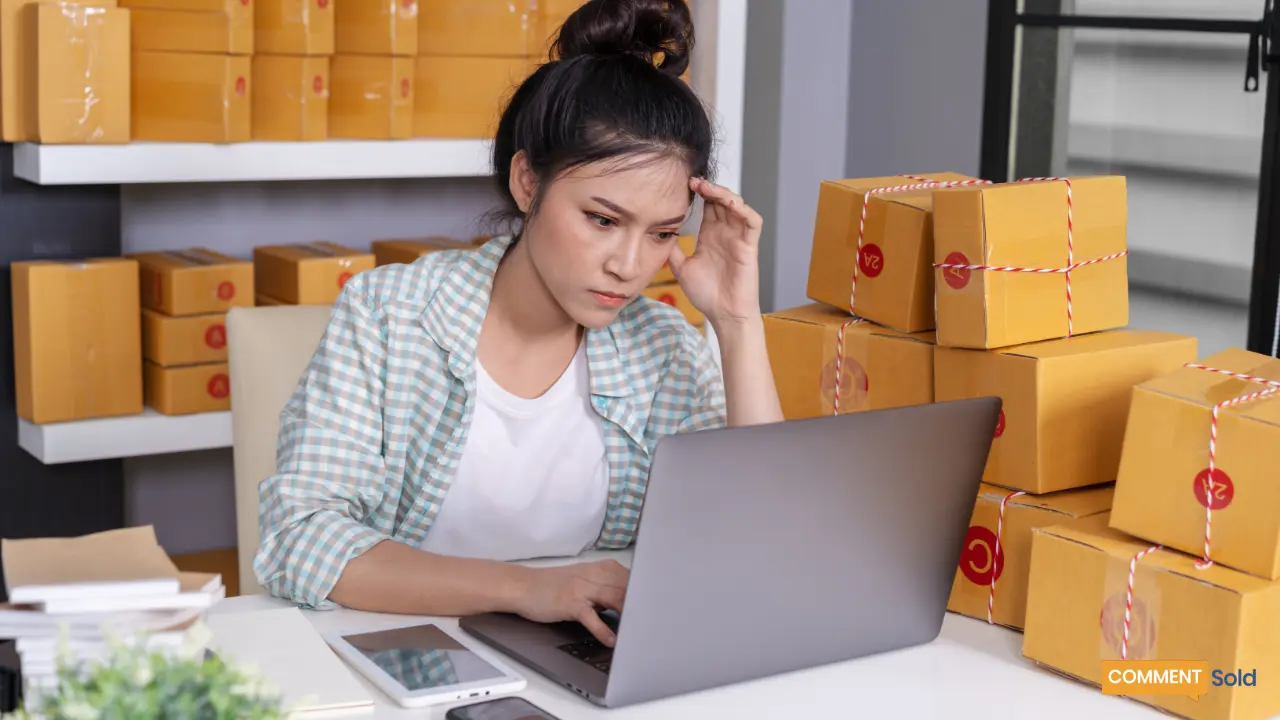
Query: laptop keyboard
{"x": 592, "y": 652}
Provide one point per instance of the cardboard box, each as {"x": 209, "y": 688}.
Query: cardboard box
{"x": 16, "y": 56}
{"x": 894, "y": 273}
{"x": 879, "y": 367}
{"x": 202, "y": 31}
{"x": 265, "y": 300}
{"x": 1008, "y": 555}
{"x": 1163, "y": 489}
{"x": 191, "y": 97}
{"x": 77, "y": 339}
{"x": 687, "y": 244}
{"x": 79, "y": 81}
{"x": 187, "y": 389}
{"x": 674, "y": 295}
{"x": 1065, "y": 402}
{"x": 290, "y": 98}
{"x": 461, "y": 97}
{"x": 294, "y": 27}
{"x": 1024, "y": 226}
{"x": 390, "y": 252}
{"x": 480, "y": 28}
{"x": 307, "y": 274}
{"x": 188, "y": 340}
{"x": 194, "y": 282}
{"x": 377, "y": 27}
{"x": 1076, "y": 609}
{"x": 371, "y": 98}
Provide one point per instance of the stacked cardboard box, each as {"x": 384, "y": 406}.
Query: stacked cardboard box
{"x": 407, "y": 250}
{"x": 866, "y": 342}
{"x": 191, "y": 70}
{"x": 77, "y": 352}
{"x": 1031, "y": 291}
{"x": 1186, "y": 566}
{"x": 373, "y": 83}
{"x": 293, "y": 43}
{"x": 471, "y": 55}
{"x": 305, "y": 273}
{"x": 185, "y": 298}
{"x": 64, "y": 72}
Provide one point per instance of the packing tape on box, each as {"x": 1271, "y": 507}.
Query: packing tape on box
{"x": 921, "y": 183}
{"x": 1130, "y": 609}
{"x": 1071, "y": 265}
{"x": 995, "y": 555}
{"x": 1271, "y": 391}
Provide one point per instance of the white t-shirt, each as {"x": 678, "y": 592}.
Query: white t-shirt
{"x": 533, "y": 480}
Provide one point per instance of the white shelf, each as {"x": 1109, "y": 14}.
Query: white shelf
{"x": 145, "y": 162}
{"x": 149, "y": 433}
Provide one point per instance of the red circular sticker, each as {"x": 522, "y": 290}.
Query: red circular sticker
{"x": 405, "y": 87}
{"x": 870, "y": 260}
{"x": 1000, "y": 424}
{"x": 244, "y": 3}
{"x": 1220, "y": 495}
{"x": 343, "y": 278}
{"x": 216, "y": 336}
{"x": 322, "y": 4}
{"x": 855, "y": 384}
{"x": 226, "y": 290}
{"x": 667, "y": 298}
{"x": 956, "y": 277}
{"x": 317, "y": 85}
{"x": 219, "y": 386}
{"x": 408, "y": 4}
{"x": 240, "y": 86}
{"x": 978, "y": 558}
{"x": 1142, "y": 627}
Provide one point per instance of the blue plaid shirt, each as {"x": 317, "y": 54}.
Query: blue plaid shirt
{"x": 371, "y": 438}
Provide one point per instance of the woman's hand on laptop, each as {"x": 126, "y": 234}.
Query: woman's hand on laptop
{"x": 575, "y": 592}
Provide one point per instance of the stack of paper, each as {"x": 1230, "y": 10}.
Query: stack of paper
{"x": 69, "y": 598}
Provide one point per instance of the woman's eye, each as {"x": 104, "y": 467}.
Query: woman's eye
{"x": 666, "y": 235}
{"x": 600, "y": 220}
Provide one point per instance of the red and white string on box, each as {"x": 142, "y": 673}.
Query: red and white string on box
{"x": 922, "y": 183}
{"x": 995, "y": 556}
{"x": 1071, "y": 265}
{"x": 1128, "y": 600}
{"x": 1273, "y": 387}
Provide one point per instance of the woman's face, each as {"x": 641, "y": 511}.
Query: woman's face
{"x": 602, "y": 233}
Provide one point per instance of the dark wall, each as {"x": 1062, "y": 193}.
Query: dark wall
{"x": 50, "y": 223}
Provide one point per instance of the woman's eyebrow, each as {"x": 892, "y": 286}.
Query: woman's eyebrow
{"x": 630, "y": 216}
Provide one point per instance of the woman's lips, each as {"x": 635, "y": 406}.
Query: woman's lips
{"x": 612, "y": 300}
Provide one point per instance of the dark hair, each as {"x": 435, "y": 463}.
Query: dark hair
{"x": 611, "y": 90}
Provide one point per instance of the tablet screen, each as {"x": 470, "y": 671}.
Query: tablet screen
{"x": 422, "y": 657}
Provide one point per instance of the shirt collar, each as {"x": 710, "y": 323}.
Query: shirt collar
{"x": 456, "y": 311}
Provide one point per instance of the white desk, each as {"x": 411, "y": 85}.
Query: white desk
{"x": 973, "y": 670}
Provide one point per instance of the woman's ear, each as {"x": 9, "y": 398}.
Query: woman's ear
{"x": 523, "y": 183}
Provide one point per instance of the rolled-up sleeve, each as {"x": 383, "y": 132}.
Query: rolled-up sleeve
{"x": 315, "y": 514}
{"x": 707, "y": 409}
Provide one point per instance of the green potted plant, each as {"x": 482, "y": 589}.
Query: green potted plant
{"x": 134, "y": 683}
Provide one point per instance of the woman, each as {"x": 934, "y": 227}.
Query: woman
{"x": 484, "y": 406}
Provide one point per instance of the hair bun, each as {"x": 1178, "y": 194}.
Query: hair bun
{"x": 660, "y": 32}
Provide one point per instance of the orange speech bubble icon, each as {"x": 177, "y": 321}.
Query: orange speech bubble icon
{"x": 1155, "y": 677}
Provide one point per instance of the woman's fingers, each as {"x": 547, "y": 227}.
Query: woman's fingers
{"x": 724, "y": 204}
{"x": 597, "y": 627}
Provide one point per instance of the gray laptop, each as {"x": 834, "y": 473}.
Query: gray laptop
{"x": 772, "y": 548}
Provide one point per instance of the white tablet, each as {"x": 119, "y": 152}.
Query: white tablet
{"x": 424, "y": 664}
